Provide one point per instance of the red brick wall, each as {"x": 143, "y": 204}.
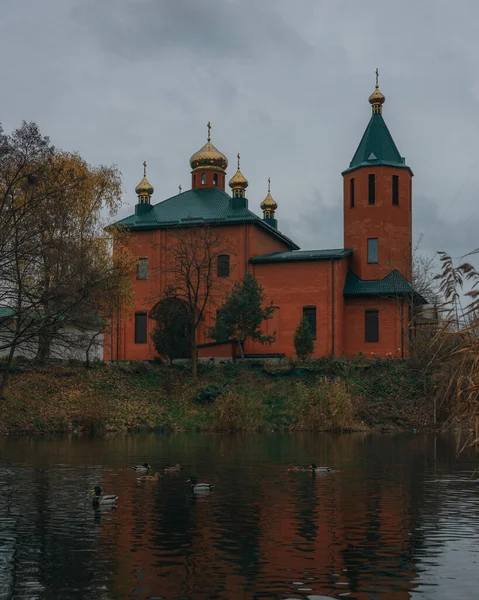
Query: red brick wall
{"x": 291, "y": 286}
{"x": 393, "y": 339}
{"x": 244, "y": 241}
{"x": 209, "y": 173}
{"x": 392, "y": 225}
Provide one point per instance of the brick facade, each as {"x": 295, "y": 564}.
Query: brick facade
{"x": 292, "y": 280}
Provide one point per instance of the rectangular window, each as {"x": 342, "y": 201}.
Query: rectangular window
{"x": 373, "y": 250}
{"x": 142, "y": 268}
{"x": 351, "y": 192}
{"x": 372, "y": 189}
{"x": 309, "y": 313}
{"x": 223, "y": 266}
{"x": 395, "y": 190}
{"x": 372, "y": 326}
{"x": 140, "y": 328}
{"x": 224, "y": 337}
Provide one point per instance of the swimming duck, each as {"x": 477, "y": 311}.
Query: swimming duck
{"x": 143, "y": 469}
{"x": 199, "y": 488}
{"x": 176, "y": 469}
{"x": 296, "y": 469}
{"x": 316, "y": 469}
{"x": 100, "y": 499}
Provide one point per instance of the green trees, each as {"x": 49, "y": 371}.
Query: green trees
{"x": 303, "y": 340}
{"x": 242, "y": 314}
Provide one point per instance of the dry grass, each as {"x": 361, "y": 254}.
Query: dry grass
{"x": 326, "y": 406}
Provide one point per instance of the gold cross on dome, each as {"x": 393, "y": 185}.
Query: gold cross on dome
{"x": 144, "y": 168}
{"x": 238, "y": 155}
{"x": 269, "y": 184}
{"x": 377, "y": 78}
{"x": 209, "y": 131}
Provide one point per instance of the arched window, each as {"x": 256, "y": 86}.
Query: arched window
{"x": 215, "y": 179}
{"x": 203, "y": 178}
{"x": 223, "y": 266}
{"x": 194, "y": 180}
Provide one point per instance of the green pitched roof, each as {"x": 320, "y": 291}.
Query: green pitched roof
{"x": 394, "y": 284}
{"x": 377, "y": 147}
{"x": 209, "y": 206}
{"x": 275, "y": 257}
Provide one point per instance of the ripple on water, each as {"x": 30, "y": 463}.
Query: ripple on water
{"x": 388, "y": 520}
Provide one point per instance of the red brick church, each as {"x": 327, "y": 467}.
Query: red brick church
{"x": 357, "y": 298}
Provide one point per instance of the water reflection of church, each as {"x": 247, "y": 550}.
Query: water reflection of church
{"x": 361, "y": 531}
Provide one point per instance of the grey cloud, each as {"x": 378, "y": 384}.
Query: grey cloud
{"x": 285, "y": 83}
{"x": 148, "y": 29}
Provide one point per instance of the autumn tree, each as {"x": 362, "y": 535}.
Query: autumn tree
{"x": 242, "y": 314}
{"x": 303, "y": 340}
{"x": 191, "y": 259}
{"x": 56, "y": 262}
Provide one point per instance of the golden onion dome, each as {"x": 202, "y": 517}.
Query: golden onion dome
{"x": 377, "y": 97}
{"x": 144, "y": 188}
{"x": 269, "y": 202}
{"x": 238, "y": 180}
{"x": 209, "y": 157}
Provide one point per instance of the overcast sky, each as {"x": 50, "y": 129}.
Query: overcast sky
{"x": 284, "y": 82}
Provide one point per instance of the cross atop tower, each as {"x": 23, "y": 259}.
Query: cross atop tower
{"x": 209, "y": 131}
{"x": 377, "y": 78}
{"x": 144, "y": 168}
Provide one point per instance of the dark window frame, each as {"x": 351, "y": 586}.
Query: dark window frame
{"x": 139, "y": 274}
{"x": 395, "y": 190}
{"x": 310, "y": 313}
{"x": 351, "y": 192}
{"x": 223, "y": 265}
{"x": 371, "y": 326}
{"x": 203, "y": 178}
{"x": 370, "y": 260}
{"x": 141, "y": 336}
{"x": 215, "y": 178}
{"x": 371, "y": 189}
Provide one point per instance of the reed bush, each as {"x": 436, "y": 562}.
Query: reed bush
{"x": 236, "y": 410}
{"x": 326, "y": 405}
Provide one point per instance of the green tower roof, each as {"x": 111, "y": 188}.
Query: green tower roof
{"x": 377, "y": 147}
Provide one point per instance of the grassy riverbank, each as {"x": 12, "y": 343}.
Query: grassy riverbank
{"x": 325, "y": 395}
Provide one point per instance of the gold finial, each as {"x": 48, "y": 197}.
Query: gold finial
{"x": 144, "y": 189}
{"x": 377, "y": 99}
{"x": 269, "y": 185}
{"x": 238, "y": 155}
{"x": 209, "y": 131}
{"x": 179, "y": 188}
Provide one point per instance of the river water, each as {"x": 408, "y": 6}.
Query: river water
{"x": 398, "y": 518}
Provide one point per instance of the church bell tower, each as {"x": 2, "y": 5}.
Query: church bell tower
{"x": 378, "y": 202}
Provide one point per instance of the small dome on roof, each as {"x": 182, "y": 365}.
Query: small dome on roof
{"x": 238, "y": 180}
{"x": 144, "y": 188}
{"x": 269, "y": 202}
